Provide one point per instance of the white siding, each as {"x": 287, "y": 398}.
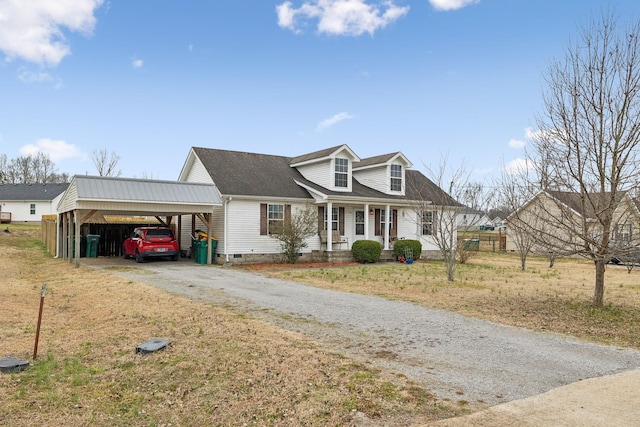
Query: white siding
{"x": 319, "y": 173}
{"x": 375, "y": 178}
{"x": 379, "y": 178}
{"x": 409, "y": 228}
{"x": 21, "y": 211}
{"x": 198, "y": 173}
{"x": 69, "y": 198}
{"x": 244, "y": 229}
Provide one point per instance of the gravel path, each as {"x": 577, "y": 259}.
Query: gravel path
{"x": 451, "y": 355}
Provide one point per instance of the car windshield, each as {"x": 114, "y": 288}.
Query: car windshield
{"x": 159, "y": 233}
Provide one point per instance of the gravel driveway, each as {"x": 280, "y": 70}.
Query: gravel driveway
{"x": 451, "y": 355}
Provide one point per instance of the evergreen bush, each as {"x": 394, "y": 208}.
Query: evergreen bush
{"x": 366, "y": 251}
{"x": 400, "y": 246}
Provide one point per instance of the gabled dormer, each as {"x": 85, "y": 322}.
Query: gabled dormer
{"x": 385, "y": 173}
{"x": 331, "y": 168}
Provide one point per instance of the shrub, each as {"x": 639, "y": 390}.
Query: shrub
{"x": 365, "y": 251}
{"x": 400, "y": 248}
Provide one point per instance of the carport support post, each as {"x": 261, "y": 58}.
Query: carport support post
{"x": 77, "y": 240}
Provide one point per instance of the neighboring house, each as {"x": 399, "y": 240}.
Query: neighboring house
{"x": 499, "y": 223}
{"x": 554, "y": 213}
{"x": 28, "y": 202}
{"x": 378, "y": 198}
{"x": 469, "y": 219}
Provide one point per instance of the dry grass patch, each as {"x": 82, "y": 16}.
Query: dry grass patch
{"x": 221, "y": 368}
{"x": 492, "y": 286}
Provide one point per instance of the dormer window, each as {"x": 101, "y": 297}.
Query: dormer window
{"x": 342, "y": 171}
{"x": 396, "y": 178}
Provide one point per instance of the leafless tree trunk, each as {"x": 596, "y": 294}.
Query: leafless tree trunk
{"x": 105, "y": 163}
{"x": 514, "y": 191}
{"x": 22, "y": 170}
{"x": 43, "y": 168}
{"x": 586, "y": 149}
{"x": 3, "y": 168}
{"x": 446, "y": 209}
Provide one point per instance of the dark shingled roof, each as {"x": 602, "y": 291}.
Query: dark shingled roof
{"x": 376, "y": 160}
{"x": 32, "y": 192}
{"x": 419, "y": 187}
{"x": 251, "y": 174}
{"x": 315, "y": 155}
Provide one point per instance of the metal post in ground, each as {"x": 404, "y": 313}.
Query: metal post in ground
{"x": 35, "y": 348}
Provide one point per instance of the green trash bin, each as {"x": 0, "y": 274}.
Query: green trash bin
{"x": 472, "y": 244}
{"x": 92, "y": 245}
{"x": 200, "y": 250}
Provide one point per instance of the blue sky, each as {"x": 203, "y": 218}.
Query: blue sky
{"x": 148, "y": 79}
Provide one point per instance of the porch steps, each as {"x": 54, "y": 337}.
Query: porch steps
{"x": 387, "y": 256}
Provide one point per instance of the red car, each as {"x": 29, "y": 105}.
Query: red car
{"x": 151, "y": 242}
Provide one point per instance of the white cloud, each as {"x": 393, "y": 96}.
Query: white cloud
{"x": 327, "y": 123}
{"x": 56, "y": 149}
{"x": 341, "y": 17}
{"x": 34, "y": 77}
{"x": 137, "y": 63}
{"x": 451, "y": 4}
{"x": 531, "y": 134}
{"x": 516, "y": 143}
{"x": 519, "y": 166}
{"x": 33, "y": 31}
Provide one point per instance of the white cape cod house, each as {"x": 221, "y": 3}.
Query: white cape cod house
{"x": 355, "y": 198}
{"x": 29, "y": 202}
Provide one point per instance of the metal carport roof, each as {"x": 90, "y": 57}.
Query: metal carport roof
{"x": 88, "y": 196}
{"x": 110, "y": 195}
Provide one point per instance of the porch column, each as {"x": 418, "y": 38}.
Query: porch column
{"x": 366, "y": 221}
{"x": 328, "y": 225}
{"x": 387, "y": 226}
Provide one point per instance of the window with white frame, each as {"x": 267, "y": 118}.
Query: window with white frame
{"x": 396, "y": 178}
{"x": 383, "y": 221}
{"x": 275, "y": 216}
{"x": 427, "y": 223}
{"x": 360, "y": 223}
{"x": 32, "y": 209}
{"x": 335, "y": 218}
{"x": 341, "y": 172}
{"x": 623, "y": 232}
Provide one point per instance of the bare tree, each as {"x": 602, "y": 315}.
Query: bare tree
{"x": 476, "y": 199}
{"x": 587, "y": 145}
{"x": 3, "y": 168}
{"x": 439, "y": 212}
{"x": 294, "y": 231}
{"x": 30, "y": 169}
{"x": 105, "y": 163}
{"x": 21, "y": 170}
{"x": 515, "y": 190}
{"x": 43, "y": 168}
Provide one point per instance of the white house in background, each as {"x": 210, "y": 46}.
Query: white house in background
{"x": 378, "y": 198}
{"x": 469, "y": 219}
{"x": 28, "y": 202}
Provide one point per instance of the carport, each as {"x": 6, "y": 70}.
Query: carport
{"x": 92, "y": 197}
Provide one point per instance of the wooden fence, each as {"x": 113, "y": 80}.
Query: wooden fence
{"x": 48, "y": 233}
